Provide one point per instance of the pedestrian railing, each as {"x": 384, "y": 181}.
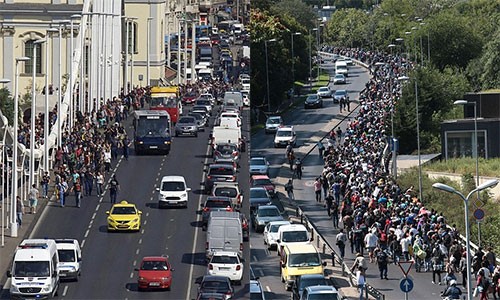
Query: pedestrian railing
{"x": 326, "y": 249}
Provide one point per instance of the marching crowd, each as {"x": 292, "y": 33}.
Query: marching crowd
{"x": 391, "y": 223}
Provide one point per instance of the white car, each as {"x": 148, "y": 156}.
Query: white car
{"x": 339, "y": 79}
{"x": 324, "y": 92}
{"x": 173, "y": 192}
{"x": 228, "y": 264}
{"x": 284, "y": 136}
{"x": 271, "y": 233}
{"x": 70, "y": 259}
{"x": 208, "y": 96}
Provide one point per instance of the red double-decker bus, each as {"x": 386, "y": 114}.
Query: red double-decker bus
{"x": 167, "y": 99}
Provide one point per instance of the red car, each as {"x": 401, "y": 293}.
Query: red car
{"x": 263, "y": 181}
{"x": 190, "y": 97}
{"x": 155, "y": 272}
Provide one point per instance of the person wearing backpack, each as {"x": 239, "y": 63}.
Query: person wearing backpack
{"x": 482, "y": 285}
{"x": 437, "y": 264}
{"x": 382, "y": 262}
{"x": 289, "y": 190}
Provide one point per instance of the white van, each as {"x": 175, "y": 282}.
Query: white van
{"x": 70, "y": 258}
{"x": 229, "y": 122}
{"x": 293, "y": 233}
{"x": 173, "y": 192}
{"x": 35, "y": 270}
{"x": 224, "y": 233}
{"x": 222, "y": 135}
{"x": 190, "y": 75}
{"x": 341, "y": 68}
{"x": 237, "y": 98}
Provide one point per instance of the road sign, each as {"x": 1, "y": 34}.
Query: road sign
{"x": 405, "y": 266}
{"x": 478, "y": 203}
{"x": 479, "y": 214}
{"x": 406, "y": 284}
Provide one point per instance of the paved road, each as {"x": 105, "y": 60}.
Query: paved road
{"x": 109, "y": 259}
{"x": 307, "y": 123}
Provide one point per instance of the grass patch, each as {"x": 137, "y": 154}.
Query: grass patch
{"x": 256, "y": 128}
{"x": 467, "y": 165}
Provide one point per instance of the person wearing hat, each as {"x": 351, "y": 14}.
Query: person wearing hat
{"x": 452, "y": 292}
{"x": 359, "y": 262}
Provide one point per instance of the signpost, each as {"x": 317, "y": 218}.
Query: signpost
{"x": 406, "y": 283}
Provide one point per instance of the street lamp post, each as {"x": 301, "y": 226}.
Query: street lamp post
{"x": 293, "y": 58}
{"x": 71, "y": 81}
{"x": 5, "y": 170}
{"x": 33, "y": 115}
{"x": 148, "y": 58}
{"x": 267, "y": 74}
{"x": 450, "y": 189}
{"x": 474, "y": 151}
{"x": 46, "y": 126}
{"x": 13, "y": 221}
{"x": 59, "y": 87}
{"x": 310, "y": 56}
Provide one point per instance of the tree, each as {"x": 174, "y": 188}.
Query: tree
{"x": 7, "y": 105}
{"x": 348, "y": 28}
{"x": 296, "y": 9}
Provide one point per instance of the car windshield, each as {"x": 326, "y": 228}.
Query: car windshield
{"x": 312, "y": 282}
{"x": 67, "y": 255}
{"x": 323, "y": 89}
{"x": 312, "y": 97}
{"x": 339, "y": 76}
{"x": 257, "y": 162}
{"x": 215, "y": 286}
{"x": 203, "y": 102}
{"x": 340, "y": 93}
{"x": 187, "y": 120}
{"x": 284, "y": 133}
{"x": 294, "y": 236}
{"x": 258, "y": 182}
{"x": 154, "y": 265}
{"x": 200, "y": 108}
{"x": 273, "y": 121}
{"x": 173, "y": 186}
{"x": 226, "y": 192}
{"x": 221, "y": 171}
{"x": 258, "y": 193}
{"x": 196, "y": 116}
{"x": 268, "y": 212}
{"x": 123, "y": 210}
{"x": 224, "y": 259}
{"x": 304, "y": 260}
{"x": 31, "y": 269}
{"x": 323, "y": 296}
{"x": 274, "y": 228}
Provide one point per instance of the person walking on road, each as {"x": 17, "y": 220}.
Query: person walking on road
{"x": 340, "y": 241}
{"x": 99, "y": 178}
{"x": 361, "y": 281}
{"x": 77, "y": 189}
{"x": 289, "y": 190}
{"x": 125, "y": 146}
{"x": 114, "y": 187}
{"x": 371, "y": 241}
{"x": 317, "y": 189}
{"x": 382, "y": 262}
{"x": 291, "y": 159}
{"x": 33, "y": 196}
{"x": 45, "y": 185}
{"x": 321, "y": 148}
{"x": 335, "y": 214}
{"x": 329, "y": 201}
{"x": 298, "y": 169}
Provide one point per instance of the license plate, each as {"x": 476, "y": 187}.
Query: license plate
{"x": 62, "y": 274}
{"x": 153, "y": 147}
{"x": 154, "y": 284}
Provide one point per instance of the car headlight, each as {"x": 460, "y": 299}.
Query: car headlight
{"x": 184, "y": 195}
{"x": 46, "y": 288}
{"x": 164, "y": 278}
{"x": 14, "y": 288}
{"x": 261, "y": 222}
{"x": 142, "y": 278}
{"x": 135, "y": 220}
{"x": 111, "y": 220}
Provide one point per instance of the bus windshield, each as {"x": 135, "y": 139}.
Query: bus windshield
{"x": 152, "y": 127}
{"x": 165, "y": 101}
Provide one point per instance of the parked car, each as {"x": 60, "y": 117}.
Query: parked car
{"x": 324, "y": 92}
{"x": 273, "y": 123}
{"x": 339, "y": 79}
{"x": 313, "y": 101}
{"x": 339, "y": 94}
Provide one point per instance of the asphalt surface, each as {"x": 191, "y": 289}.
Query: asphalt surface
{"x": 109, "y": 259}
{"x": 309, "y": 123}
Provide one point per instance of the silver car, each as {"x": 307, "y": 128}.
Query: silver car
{"x": 324, "y": 92}
{"x": 273, "y": 123}
{"x": 259, "y": 166}
{"x": 186, "y": 126}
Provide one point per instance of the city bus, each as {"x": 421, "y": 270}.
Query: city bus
{"x": 167, "y": 99}
{"x": 152, "y": 131}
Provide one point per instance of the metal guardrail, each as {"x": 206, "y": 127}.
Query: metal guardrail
{"x": 327, "y": 249}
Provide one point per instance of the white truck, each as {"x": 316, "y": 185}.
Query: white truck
{"x": 224, "y": 134}
{"x": 35, "y": 270}
{"x": 224, "y": 233}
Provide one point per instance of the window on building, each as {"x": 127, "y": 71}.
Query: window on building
{"x": 461, "y": 144}
{"x": 28, "y": 51}
{"x": 132, "y": 37}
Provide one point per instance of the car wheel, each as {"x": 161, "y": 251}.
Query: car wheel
{"x": 196, "y": 134}
{"x": 176, "y": 134}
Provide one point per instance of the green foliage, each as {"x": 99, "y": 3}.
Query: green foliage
{"x": 296, "y": 9}
{"x": 348, "y": 27}
{"x": 7, "y": 105}
{"x": 466, "y": 165}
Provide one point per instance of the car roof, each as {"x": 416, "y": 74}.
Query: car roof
{"x": 286, "y": 128}
{"x": 155, "y": 258}
{"x": 255, "y": 286}
{"x": 225, "y": 253}
{"x": 258, "y": 158}
{"x": 268, "y": 207}
{"x": 310, "y": 276}
{"x": 321, "y": 289}
{"x": 279, "y": 223}
{"x": 174, "y": 178}
{"x": 340, "y": 91}
{"x": 226, "y": 184}
{"x": 324, "y": 88}
{"x": 260, "y": 177}
{"x": 123, "y": 203}
{"x": 213, "y": 166}
{"x": 293, "y": 227}
{"x": 215, "y": 278}
{"x": 274, "y": 117}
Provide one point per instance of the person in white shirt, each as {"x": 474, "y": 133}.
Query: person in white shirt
{"x": 405, "y": 247}
{"x": 361, "y": 281}
{"x": 341, "y": 240}
{"x": 371, "y": 243}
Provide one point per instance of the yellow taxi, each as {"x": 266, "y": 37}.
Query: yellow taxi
{"x": 124, "y": 216}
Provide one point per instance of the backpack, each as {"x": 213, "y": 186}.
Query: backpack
{"x": 382, "y": 258}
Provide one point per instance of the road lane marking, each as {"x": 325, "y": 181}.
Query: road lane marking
{"x": 87, "y": 233}
{"x": 142, "y": 231}
{"x": 268, "y": 289}
{"x": 254, "y": 258}
{"x": 132, "y": 275}
{"x": 93, "y": 216}
{"x": 145, "y": 222}
{"x": 261, "y": 273}
{"x": 147, "y": 214}
{"x": 140, "y": 241}
{"x": 65, "y": 291}
{"x": 83, "y": 243}
{"x": 137, "y": 251}
{"x": 135, "y": 263}
{"x": 198, "y": 218}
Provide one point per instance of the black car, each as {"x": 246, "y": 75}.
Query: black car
{"x": 258, "y": 196}
{"x": 211, "y": 296}
{"x": 214, "y": 203}
{"x": 303, "y": 281}
{"x": 216, "y": 284}
{"x": 219, "y": 172}
{"x": 313, "y": 101}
